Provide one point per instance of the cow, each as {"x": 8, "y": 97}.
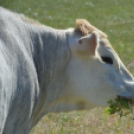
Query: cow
{"x": 45, "y": 70}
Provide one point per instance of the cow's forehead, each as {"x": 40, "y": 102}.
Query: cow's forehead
{"x": 85, "y": 27}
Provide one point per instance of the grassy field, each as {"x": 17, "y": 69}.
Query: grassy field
{"x": 116, "y": 18}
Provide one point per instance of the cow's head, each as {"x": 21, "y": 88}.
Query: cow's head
{"x": 95, "y": 72}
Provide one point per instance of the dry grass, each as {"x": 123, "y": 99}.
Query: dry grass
{"x": 95, "y": 121}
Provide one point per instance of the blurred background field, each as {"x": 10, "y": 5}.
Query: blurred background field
{"x": 114, "y": 17}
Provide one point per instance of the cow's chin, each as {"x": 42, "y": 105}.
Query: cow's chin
{"x": 70, "y": 106}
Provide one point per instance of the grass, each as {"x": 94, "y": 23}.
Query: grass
{"x": 116, "y": 18}
{"x": 95, "y": 121}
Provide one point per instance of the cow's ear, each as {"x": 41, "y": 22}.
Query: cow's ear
{"x": 88, "y": 44}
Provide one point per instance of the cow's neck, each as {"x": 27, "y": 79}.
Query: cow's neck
{"x": 51, "y": 55}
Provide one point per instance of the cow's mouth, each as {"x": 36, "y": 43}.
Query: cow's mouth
{"x": 120, "y": 103}
{"x": 128, "y": 100}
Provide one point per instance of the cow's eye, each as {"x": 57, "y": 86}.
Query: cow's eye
{"x": 107, "y": 60}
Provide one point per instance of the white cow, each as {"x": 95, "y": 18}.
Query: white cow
{"x": 45, "y": 70}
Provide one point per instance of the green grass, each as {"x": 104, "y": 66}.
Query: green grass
{"x": 114, "y": 17}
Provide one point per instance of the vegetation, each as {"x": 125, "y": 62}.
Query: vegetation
{"x": 114, "y": 17}
{"x": 117, "y": 106}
